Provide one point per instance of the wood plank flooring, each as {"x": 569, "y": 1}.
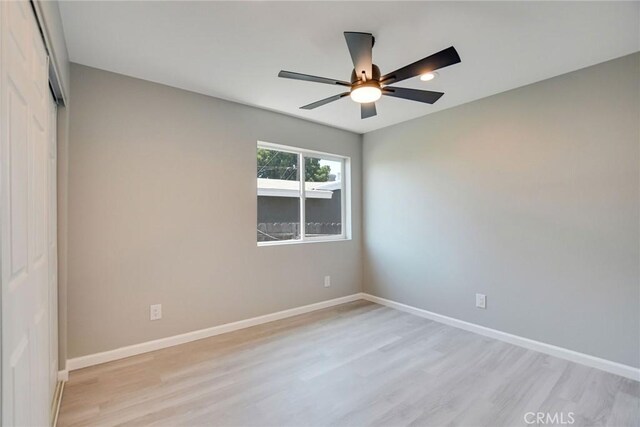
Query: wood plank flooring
{"x": 358, "y": 364}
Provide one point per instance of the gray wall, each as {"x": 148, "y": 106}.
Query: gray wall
{"x": 162, "y": 209}
{"x": 531, "y": 197}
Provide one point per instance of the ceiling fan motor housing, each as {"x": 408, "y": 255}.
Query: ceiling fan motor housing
{"x": 355, "y": 78}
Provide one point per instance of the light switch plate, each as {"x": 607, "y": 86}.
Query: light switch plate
{"x": 155, "y": 312}
{"x": 481, "y": 301}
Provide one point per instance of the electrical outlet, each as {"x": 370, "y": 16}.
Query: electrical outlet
{"x": 155, "y": 312}
{"x": 327, "y": 281}
{"x": 481, "y": 301}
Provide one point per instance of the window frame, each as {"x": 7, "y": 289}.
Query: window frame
{"x": 345, "y": 194}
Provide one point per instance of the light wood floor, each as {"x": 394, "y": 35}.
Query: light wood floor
{"x": 357, "y": 364}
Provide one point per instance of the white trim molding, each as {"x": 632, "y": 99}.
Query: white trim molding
{"x": 552, "y": 350}
{"x": 57, "y": 401}
{"x": 132, "y": 350}
{"x": 63, "y": 375}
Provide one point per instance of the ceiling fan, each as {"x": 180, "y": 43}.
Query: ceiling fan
{"x": 367, "y": 85}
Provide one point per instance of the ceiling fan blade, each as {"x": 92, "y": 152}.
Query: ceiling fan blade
{"x": 310, "y": 78}
{"x": 360, "y": 46}
{"x": 324, "y": 101}
{"x": 442, "y": 59}
{"x": 426, "y": 96}
{"x": 367, "y": 110}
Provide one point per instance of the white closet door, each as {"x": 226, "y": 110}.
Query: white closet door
{"x": 24, "y": 188}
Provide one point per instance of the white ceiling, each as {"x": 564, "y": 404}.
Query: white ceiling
{"x": 234, "y": 50}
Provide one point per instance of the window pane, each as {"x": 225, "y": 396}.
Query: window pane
{"x": 323, "y": 197}
{"x": 278, "y": 175}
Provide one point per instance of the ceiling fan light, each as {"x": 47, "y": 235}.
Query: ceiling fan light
{"x": 428, "y": 76}
{"x": 366, "y": 93}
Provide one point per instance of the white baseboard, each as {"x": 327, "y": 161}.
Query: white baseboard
{"x": 552, "y": 350}
{"x": 563, "y": 353}
{"x": 132, "y": 350}
{"x": 63, "y": 375}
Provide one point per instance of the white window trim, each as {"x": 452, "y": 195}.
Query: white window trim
{"x": 345, "y": 194}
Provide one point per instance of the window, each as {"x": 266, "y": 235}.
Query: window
{"x": 303, "y": 195}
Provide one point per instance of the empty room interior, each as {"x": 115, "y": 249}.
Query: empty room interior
{"x": 320, "y": 213}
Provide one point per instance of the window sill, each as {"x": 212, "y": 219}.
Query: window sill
{"x": 302, "y": 242}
